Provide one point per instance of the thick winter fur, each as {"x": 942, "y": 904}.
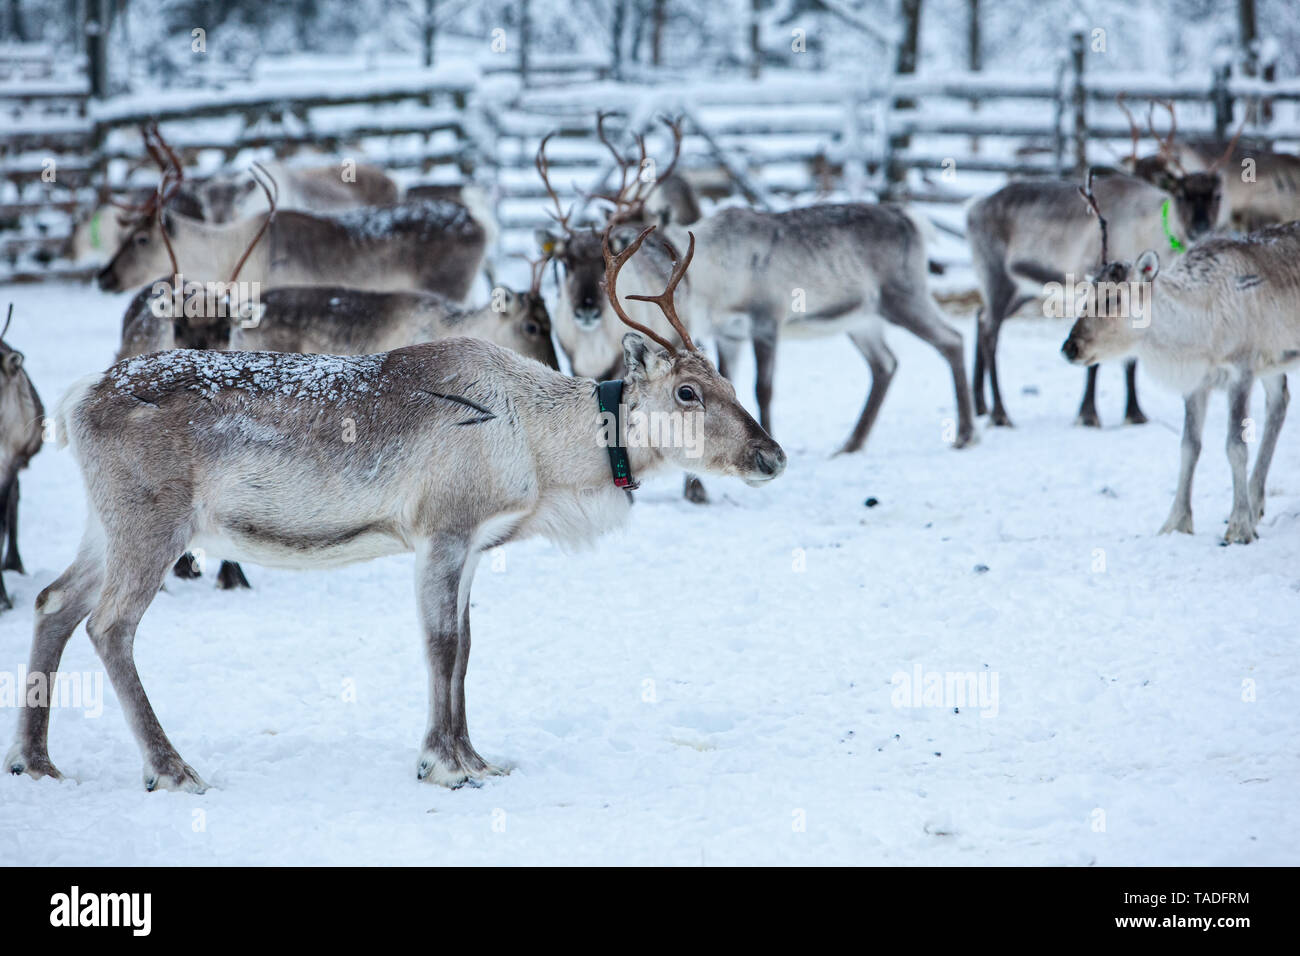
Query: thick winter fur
{"x": 21, "y": 432}
{"x": 1028, "y": 234}
{"x": 309, "y": 188}
{"x": 820, "y": 270}
{"x": 429, "y": 245}
{"x": 1222, "y": 315}
{"x": 339, "y": 321}
{"x": 310, "y": 461}
{"x": 1270, "y": 195}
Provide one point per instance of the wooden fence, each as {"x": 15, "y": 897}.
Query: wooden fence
{"x": 790, "y": 137}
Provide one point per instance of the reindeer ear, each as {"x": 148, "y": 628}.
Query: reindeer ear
{"x": 1147, "y": 265}
{"x": 13, "y": 362}
{"x": 550, "y": 243}
{"x": 644, "y": 362}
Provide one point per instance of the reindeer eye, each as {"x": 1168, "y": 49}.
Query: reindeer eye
{"x": 142, "y": 239}
{"x": 686, "y": 394}
{"x": 530, "y": 328}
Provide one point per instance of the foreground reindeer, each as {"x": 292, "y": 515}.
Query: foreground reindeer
{"x": 1029, "y": 234}
{"x": 1221, "y": 316}
{"x": 21, "y": 420}
{"x": 445, "y": 449}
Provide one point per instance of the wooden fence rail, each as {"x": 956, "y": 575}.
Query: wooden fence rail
{"x": 786, "y": 138}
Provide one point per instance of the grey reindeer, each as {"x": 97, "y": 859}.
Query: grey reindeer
{"x": 457, "y": 446}
{"x": 21, "y": 435}
{"x": 1029, "y": 234}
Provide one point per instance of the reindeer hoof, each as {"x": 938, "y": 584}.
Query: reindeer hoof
{"x": 967, "y": 438}
{"x": 1135, "y": 417}
{"x": 998, "y": 417}
{"x": 187, "y": 568}
{"x": 694, "y": 491}
{"x": 173, "y": 773}
{"x": 35, "y": 767}
{"x": 1180, "y": 523}
{"x": 231, "y": 576}
{"x": 455, "y": 764}
{"x": 1240, "y": 531}
{"x": 14, "y": 563}
{"x": 1088, "y": 420}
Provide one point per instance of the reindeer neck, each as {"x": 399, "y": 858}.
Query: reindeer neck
{"x": 565, "y": 411}
{"x": 208, "y": 252}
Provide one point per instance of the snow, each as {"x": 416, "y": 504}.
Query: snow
{"x": 715, "y": 684}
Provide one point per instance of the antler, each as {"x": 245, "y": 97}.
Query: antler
{"x": 613, "y": 263}
{"x": 9, "y": 319}
{"x": 1134, "y": 130}
{"x": 1091, "y": 200}
{"x": 272, "y": 199}
{"x": 169, "y": 176}
{"x": 543, "y": 166}
{"x": 628, "y": 205}
{"x": 1233, "y": 143}
{"x": 1166, "y": 143}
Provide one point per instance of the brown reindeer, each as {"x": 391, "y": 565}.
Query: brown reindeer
{"x": 445, "y": 449}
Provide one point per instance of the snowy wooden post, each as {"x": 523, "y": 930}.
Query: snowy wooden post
{"x": 755, "y": 44}
{"x": 430, "y": 36}
{"x": 523, "y": 43}
{"x": 1079, "y": 100}
{"x": 97, "y": 23}
{"x": 1222, "y": 100}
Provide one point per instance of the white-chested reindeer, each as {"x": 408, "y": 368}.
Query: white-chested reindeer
{"x": 21, "y": 435}
{"x": 1220, "y": 316}
{"x": 432, "y": 245}
{"x": 455, "y": 447}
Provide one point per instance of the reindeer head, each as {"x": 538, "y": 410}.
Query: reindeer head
{"x": 1114, "y": 313}
{"x": 1197, "y": 196}
{"x": 146, "y": 246}
{"x": 584, "y": 321}
{"x": 523, "y": 322}
{"x": 671, "y": 391}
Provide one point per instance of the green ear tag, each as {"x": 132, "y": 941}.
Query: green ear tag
{"x": 1174, "y": 242}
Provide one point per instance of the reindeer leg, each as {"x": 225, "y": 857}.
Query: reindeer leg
{"x": 13, "y": 561}
{"x": 59, "y": 609}
{"x": 5, "y": 603}
{"x": 1278, "y": 396}
{"x": 728, "y": 353}
{"x": 1132, "y": 413}
{"x": 882, "y": 363}
{"x": 764, "y": 338}
{"x": 444, "y": 572}
{"x": 1241, "y": 522}
{"x": 916, "y": 312}
{"x": 231, "y": 576}
{"x": 140, "y": 564}
{"x": 989, "y": 344}
{"x": 1088, "y": 407}
{"x": 1180, "y": 514}
{"x": 977, "y": 375}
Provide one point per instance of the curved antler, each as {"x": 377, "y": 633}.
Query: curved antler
{"x": 629, "y": 204}
{"x": 1233, "y": 143}
{"x": 1091, "y": 198}
{"x": 613, "y": 263}
{"x": 160, "y": 200}
{"x": 1134, "y": 130}
{"x": 543, "y": 170}
{"x": 272, "y": 199}
{"x": 1167, "y": 142}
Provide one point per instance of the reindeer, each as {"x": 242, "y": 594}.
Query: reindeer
{"x": 1269, "y": 195}
{"x": 816, "y": 271}
{"x": 340, "y": 321}
{"x": 1221, "y": 316}
{"x": 21, "y": 420}
{"x": 434, "y": 246}
{"x": 1197, "y": 195}
{"x": 1029, "y": 234}
{"x": 226, "y": 199}
{"x": 457, "y": 446}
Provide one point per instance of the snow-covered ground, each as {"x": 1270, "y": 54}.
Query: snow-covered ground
{"x": 718, "y": 684}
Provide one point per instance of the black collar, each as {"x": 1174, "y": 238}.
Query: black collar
{"x": 610, "y": 397}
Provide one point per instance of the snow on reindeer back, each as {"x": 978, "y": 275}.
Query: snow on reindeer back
{"x": 422, "y": 219}
{"x": 323, "y": 379}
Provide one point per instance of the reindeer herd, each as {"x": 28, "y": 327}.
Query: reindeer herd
{"x": 357, "y": 405}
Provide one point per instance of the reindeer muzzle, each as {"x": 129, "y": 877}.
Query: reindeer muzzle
{"x": 767, "y": 461}
{"x": 108, "y": 281}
